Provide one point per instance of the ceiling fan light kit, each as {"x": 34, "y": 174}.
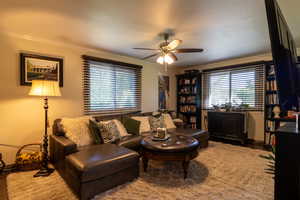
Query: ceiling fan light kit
{"x": 167, "y": 50}
{"x": 165, "y": 59}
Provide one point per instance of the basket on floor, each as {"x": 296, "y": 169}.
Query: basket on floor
{"x": 30, "y": 159}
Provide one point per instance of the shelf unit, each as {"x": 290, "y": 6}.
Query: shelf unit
{"x": 189, "y": 99}
{"x": 271, "y": 101}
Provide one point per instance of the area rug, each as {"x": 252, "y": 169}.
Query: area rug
{"x": 220, "y": 172}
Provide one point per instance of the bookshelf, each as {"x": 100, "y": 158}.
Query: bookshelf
{"x": 271, "y": 101}
{"x": 189, "y": 98}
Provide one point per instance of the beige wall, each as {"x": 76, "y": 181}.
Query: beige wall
{"x": 21, "y": 119}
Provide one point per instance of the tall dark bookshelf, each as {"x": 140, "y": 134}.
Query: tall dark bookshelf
{"x": 272, "y": 100}
{"x": 189, "y": 99}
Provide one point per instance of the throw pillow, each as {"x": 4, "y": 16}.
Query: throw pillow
{"x": 168, "y": 121}
{"x": 76, "y": 129}
{"x": 132, "y": 126}
{"x": 121, "y": 128}
{"x": 145, "y": 125}
{"x": 109, "y": 131}
{"x": 95, "y": 132}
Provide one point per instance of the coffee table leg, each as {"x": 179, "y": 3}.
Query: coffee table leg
{"x": 145, "y": 162}
{"x": 185, "y": 165}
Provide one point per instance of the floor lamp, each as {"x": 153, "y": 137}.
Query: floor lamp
{"x": 45, "y": 88}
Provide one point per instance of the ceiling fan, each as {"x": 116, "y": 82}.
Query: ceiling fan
{"x": 167, "y": 50}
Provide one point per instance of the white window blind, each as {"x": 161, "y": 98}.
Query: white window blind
{"x": 238, "y": 85}
{"x": 111, "y": 86}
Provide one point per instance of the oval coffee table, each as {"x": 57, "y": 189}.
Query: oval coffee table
{"x": 176, "y": 148}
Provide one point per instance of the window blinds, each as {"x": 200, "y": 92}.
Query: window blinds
{"x": 110, "y": 86}
{"x": 237, "y": 85}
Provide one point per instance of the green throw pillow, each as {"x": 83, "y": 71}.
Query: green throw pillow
{"x": 95, "y": 132}
{"x": 131, "y": 125}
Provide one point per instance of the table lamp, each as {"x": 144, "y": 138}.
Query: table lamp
{"x": 45, "y": 88}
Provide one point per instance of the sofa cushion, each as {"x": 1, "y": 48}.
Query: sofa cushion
{"x": 99, "y": 161}
{"x": 132, "y": 126}
{"x": 130, "y": 141}
{"x": 76, "y": 129}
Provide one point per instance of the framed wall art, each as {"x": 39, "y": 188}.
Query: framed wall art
{"x": 37, "y": 67}
{"x": 164, "y": 92}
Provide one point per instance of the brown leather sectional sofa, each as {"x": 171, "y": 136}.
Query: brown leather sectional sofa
{"x": 93, "y": 169}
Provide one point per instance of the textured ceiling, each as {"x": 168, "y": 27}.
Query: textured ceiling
{"x": 225, "y": 29}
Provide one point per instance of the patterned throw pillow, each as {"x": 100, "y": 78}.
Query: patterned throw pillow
{"x": 109, "y": 131}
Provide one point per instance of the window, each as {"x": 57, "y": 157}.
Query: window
{"x": 235, "y": 86}
{"x": 111, "y": 86}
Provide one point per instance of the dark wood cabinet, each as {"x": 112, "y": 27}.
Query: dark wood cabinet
{"x": 287, "y": 162}
{"x": 228, "y": 125}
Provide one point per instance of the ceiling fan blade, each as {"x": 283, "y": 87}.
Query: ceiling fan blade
{"x": 146, "y": 49}
{"x": 173, "y": 56}
{"x": 150, "y": 56}
{"x": 188, "y": 50}
{"x": 173, "y": 44}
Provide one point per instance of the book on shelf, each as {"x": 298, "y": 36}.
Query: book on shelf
{"x": 270, "y": 125}
{"x": 271, "y": 85}
{"x": 272, "y": 99}
{"x": 187, "y": 108}
{"x": 184, "y": 81}
{"x": 188, "y": 99}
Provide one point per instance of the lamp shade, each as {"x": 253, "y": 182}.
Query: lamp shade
{"x": 44, "y": 88}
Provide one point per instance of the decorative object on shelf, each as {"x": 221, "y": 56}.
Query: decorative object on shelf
{"x": 29, "y": 160}
{"x": 2, "y": 163}
{"x": 164, "y": 92}
{"x": 276, "y": 111}
{"x": 36, "y": 67}
{"x": 45, "y": 88}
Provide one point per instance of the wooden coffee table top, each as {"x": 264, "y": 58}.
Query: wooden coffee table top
{"x": 176, "y": 143}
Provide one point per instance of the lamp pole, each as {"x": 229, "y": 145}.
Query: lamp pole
{"x": 45, "y": 170}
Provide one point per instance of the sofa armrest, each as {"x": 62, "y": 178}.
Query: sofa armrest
{"x": 60, "y": 147}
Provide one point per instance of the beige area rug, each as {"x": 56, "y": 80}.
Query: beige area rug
{"x": 220, "y": 172}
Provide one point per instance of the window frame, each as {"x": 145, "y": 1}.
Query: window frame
{"x": 259, "y": 73}
{"x": 116, "y": 66}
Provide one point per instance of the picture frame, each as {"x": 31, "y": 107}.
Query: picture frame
{"x": 164, "y": 92}
{"x": 40, "y": 67}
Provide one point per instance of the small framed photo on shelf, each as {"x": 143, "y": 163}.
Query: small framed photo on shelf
{"x": 37, "y": 67}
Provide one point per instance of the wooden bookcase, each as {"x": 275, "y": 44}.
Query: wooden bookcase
{"x": 189, "y": 99}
